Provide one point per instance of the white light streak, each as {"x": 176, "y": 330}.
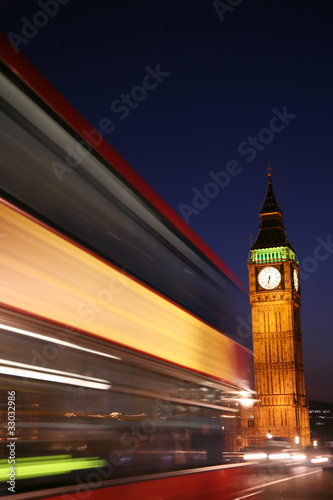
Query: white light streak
{"x": 255, "y": 456}
{"x": 56, "y": 341}
{"x": 319, "y": 460}
{"x": 54, "y": 376}
{"x": 298, "y": 457}
{"x": 49, "y": 371}
{"x": 247, "y": 403}
{"x": 278, "y": 456}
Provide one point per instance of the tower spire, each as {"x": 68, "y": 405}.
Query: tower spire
{"x": 271, "y": 229}
{"x": 270, "y": 204}
{"x": 269, "y": 170}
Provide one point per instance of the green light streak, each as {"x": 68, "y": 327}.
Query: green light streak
{"x": 44, "y": 466}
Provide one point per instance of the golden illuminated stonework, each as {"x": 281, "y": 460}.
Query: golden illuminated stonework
{"x": 275, "y": 298}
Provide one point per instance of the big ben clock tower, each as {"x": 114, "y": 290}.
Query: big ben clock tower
{"x": 275, "y": 298}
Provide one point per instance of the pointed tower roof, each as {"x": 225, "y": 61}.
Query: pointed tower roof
{"x": 270, "y": 204}
{"x": 271, "y": 228}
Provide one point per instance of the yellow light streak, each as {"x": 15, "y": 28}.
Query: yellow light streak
{"x": 48, "y": 276}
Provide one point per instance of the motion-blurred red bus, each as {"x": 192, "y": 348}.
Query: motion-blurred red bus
{"x": 119, "y": 374}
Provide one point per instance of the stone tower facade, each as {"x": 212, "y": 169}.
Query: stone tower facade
{"x": 275, "y": 298}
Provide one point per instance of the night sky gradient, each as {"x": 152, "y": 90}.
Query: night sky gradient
{"x": 223, "y": 79}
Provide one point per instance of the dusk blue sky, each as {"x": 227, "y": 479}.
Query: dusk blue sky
{"x": 223, "y": 77}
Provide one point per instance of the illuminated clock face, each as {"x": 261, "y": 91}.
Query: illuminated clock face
{"x": 296, "y": 284}
{"x": 269, "y": 278}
